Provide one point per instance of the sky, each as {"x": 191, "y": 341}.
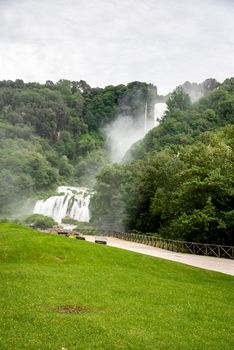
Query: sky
{"x": 110, "y": 42}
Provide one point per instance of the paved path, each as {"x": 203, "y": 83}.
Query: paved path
{"x": 204, "y": 262}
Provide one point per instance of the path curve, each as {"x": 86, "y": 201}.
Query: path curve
{"x": 204, "y": 262}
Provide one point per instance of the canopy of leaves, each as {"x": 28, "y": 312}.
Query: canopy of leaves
{"x": 177, "y": 181}
{"x": 180, "y": 179}
{"x": 52, "y": 134}
{"x": 187, "y": 194}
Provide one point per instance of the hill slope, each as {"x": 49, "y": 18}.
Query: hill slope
{"x": 178, "y": 180}
{"x": 56, "y": 292}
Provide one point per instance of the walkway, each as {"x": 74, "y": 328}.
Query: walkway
{"x": 204, "y": 262}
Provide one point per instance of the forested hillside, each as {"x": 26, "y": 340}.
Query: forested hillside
{"x": 179, "y": 180}
{"x": 53, "y": 133}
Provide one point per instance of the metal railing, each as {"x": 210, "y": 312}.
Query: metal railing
{"x": 220, "y": 251}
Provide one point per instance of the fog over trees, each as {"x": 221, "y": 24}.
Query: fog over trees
{"x": 176, "y": 181}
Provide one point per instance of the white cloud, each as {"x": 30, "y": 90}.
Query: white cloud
{"x": 108, "y": 42}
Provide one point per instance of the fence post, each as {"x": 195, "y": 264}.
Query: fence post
{"x": 178, "y": 246}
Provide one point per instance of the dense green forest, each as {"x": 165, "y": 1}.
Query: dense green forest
{"x": 177, "y": 181}
{"x": 53, "y": 133}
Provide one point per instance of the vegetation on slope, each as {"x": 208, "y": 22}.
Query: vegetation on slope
{"x": 184, "y": 121}
{"x": 179, "y": 180}
{"x": 53, "y": 133}
{"x": 58, "y": 292}
{"x": 40, "y": 221}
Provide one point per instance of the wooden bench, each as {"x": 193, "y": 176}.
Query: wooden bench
{"x": 64, "y": 233}
{"x": 80, "y": 238}
{"x": 100, "y": 240}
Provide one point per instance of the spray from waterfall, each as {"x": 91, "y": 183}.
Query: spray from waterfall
{"x": 126, "y": 130}
{"x": 159, "y": 111}
{"x": 121, "y": 134}
{"x": 145, "y": 117}
{"x": 70, "y": 201}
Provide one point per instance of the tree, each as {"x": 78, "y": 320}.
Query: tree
{"x": 179, "y": 100}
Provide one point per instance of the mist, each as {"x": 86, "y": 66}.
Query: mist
{"x": 127, "y": 130}
{"x": 122, "y": 134}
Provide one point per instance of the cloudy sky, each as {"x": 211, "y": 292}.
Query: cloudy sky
{"x": 165, "y": 42}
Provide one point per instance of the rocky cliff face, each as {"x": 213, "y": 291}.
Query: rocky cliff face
{"x": 196, "y": 91}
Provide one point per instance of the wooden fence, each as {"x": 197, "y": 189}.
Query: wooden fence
{"x": 219, "y": 251}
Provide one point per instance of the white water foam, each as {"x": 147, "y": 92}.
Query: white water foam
{"x": 72, "y": 202}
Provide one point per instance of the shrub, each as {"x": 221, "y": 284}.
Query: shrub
{"x": 4, "y": 221}
{"x": 40, "y": 221}
{"x": 70, "y": 221}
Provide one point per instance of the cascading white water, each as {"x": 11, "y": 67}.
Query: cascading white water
{"x": 145, "y": 118}
{"x": 72, "y": 202}
{"x": 159, "y": 110}
{"x": 126, "y": 130}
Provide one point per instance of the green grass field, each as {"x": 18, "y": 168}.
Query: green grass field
{"x": 57, "y": 292}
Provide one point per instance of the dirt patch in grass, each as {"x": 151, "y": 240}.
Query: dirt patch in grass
{"x": 74, "y": 309}
{"x": 59, "y": 258}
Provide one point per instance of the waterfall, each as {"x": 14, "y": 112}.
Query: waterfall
{"x": 146, "y": 118}
{"x": 123, "y": 132}
{"x": 74, "y": 201}
{"x": 70, "y": 201}
{"x": 152, "y": 121}
{"x": 159, "y": 110}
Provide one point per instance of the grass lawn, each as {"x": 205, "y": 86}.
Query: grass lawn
{"x": 57, "y": 292}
